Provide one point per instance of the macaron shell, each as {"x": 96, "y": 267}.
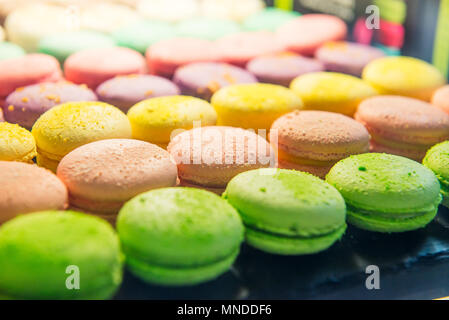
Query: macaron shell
{"x": 269, "y": 19}
{"x": 9, "y": 50}
{"x": 16, "y": 143}
{"x": 113, "y": 171}
{"x": 2, "y": 34}
{"x": 206, "y": 28}
{"x": 231, "y": 9}
{"x": 437, "y": 160}
{"x": 330, "y": 91}
{"x": 28, "y": 188}
{"x": 405, "y": 76}
{"x": 440, "y": 98}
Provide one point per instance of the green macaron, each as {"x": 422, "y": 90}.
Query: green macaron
{"x": 142, "y": 34}
{"x": 206, "y": 28}
{"x": 179, "y": 236}
{"x": 59, "y": 255}
{"x": 386, "y": 193}
{"x": 62, "y": 45}
{"x": 437, "y": 160}
{"x": 269, "y": 19}
{"x": 287, "y": 212}
{"x": 10, "y": 50}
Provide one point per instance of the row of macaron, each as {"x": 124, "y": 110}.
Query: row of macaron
{"x": 186, "y": 236}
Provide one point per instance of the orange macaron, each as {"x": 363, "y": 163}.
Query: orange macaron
{"x": 313, "y": 141}
{"x": 440, "y": 98}
{"x": 403, "y": 126}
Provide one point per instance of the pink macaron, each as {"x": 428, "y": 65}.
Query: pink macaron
{"x": 26, "y": 70}
{"x": 27, "y": 188}
{"x": 240, "y": 48}
{"x": 164, "y": 57}
{"x": 94, "y": 66}
{"x": 209, "y": 157}
{"x": 101, "y": 176}
{"x": 403, "y": 126}
{"x": 440, "y": 98}
{"x": 307, "y": 33}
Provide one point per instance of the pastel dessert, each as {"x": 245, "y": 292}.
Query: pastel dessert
{"x": 126, "y": 91}
{"x": 10, "y": 50}
{"x": 347, "y": 57}
{"x": 26, "y": 70}
{"x": 269, "y": 19}
{"x": 48, "y": 251}
{"x": 157, "y": 120}
{"x": 203, "y": 79}
{"x": 16, "y": 143}
{"x": 386, "y": 193}
{"x": 62, "y": 45}
{"x": 71, "y": 125}
{"x": 101, "y": 176}
{"x": 209, "y": 157}
{"x": 403, "y": 126}
{"x": 206, "y": 28}
{"x": 142, "y": 34}
{"x": 164, "y": 57}
{"x": 253, "y": 106}
{"x": 168, "y": 10}
{"x": 27, "y": 188}
{"x": 26, "y": 104}
{"x": 313, "y": 141}
{"x": 197, "y": 238}
{"x": 94, "y": 66}
{"x": 437, "y": 160}
{"x": 240, "y": 48}
{"x": 404, "y": 76}
{"x": 287, "y": 212}
{"x": 282, "y": 68}
{"x": 2, "y": 34}
{"x": 331, "y": 91}
{"x": 307, "y": 33}
{"x": 1, "y": 116}
{"x": 440, "y": 98}
{"x": 231, "y": 9}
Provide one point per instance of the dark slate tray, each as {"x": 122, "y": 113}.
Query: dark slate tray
{"x": 257, "y": 275}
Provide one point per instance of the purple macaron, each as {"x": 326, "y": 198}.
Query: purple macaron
{"x": 282, "y": 68}
{"x": 125, "y": 91}
{"x": 203, "y": 79}
{"x": 26, "y": 104}
{"x": 347, "y": 57}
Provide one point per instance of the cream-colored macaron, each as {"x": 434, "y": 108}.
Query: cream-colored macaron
{"x": 168, "y": 10}
{"x": 237, "y": 10}
{"x": 2, "y": 34}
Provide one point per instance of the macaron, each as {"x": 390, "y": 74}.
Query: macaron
{"x": 16, "y": 143}
{"x": 313, "y": 141}
{"x": 168, "y": 10}
{"x": 27, "y": 188}
{"x": 209, "y": 157}
{"x": 404, "y": 76}
{"x": 287, "y": 212}
{"x": 179, "y": 236}
{"x": 101, "y": 176}
{"x": 403, "y": 126}
{"x": 282, "y": 68}
{"x": 437, "y": 160}
{"x": 30, "y": 69}
{"x": 1, "y": 116}
{"x": 2, "y": 34}
{"x": 347, "y": 57}
{"x": 253, "y": 106}
{"x": 386, "y": 193}
{"x": 440, "y": 98}
{"x": 156, "y": 120}
{"x": 10, "y": 50}
{"x": 269, "y": 19}
{"x": 331, "y": 91}
{"x": 71, "y": 125}
{"x": 240, "y": 48}
{"x": 65, "y": 255}
{"x": 125, "y": 91}
{"x": 94, "y": 66}
{"x": 26, "y": 104}
{"x": 62, "y": 45}
{"x": 206, "y": 28}
{"x": 142, "y": 34}
{"x": 307, "y": 33}
{"x": 203, "y": 79}
{"x": 164, "y": 57}
{"x": 231, "y": 9}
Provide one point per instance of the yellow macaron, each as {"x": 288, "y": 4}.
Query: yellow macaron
{"x": 16, "y": 143}
{"x": 331, "y": 91}
{"x": 253, "y": 106}
{"x": 71, "y": 125}
{"x": 404, "y": 76}
{"x": 154, "y": 120}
